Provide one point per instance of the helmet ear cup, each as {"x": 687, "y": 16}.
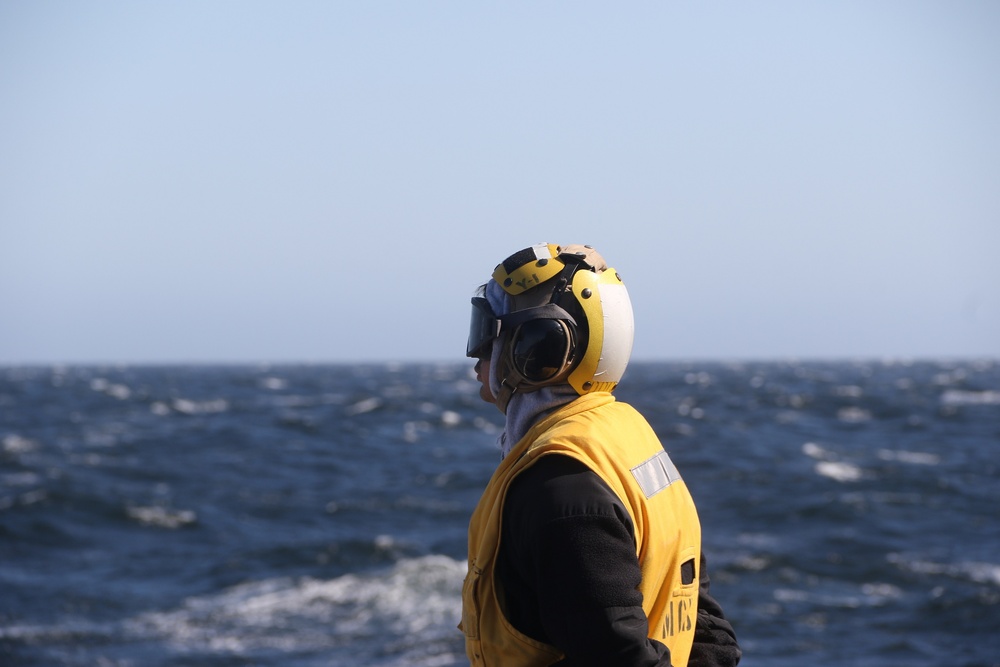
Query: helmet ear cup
{"x": 542, "y": 349}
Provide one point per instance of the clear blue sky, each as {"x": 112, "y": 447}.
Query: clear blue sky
{"x": 328, "y": 181}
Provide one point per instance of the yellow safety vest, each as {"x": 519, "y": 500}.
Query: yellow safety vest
{"x": 616, "y": 442}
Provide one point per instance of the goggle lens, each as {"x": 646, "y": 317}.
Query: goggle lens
{"x": 483, "y": 328}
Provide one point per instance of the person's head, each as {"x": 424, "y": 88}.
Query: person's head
{"x": 552, "y": 315}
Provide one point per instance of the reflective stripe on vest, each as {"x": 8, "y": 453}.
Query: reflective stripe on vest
{"x": 656, "y": 474}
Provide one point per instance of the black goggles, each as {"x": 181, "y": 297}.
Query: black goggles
{"x": 485, "y": 325}
{"x": 483, "y": 329}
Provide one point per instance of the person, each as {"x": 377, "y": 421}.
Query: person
{"x": 585, "y": 548}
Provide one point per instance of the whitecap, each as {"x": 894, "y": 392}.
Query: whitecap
{"x": 841, "y": 472}
{"x": 870, "y": 595}
{"x": 975, "y": 571}
{"x": 962, "y": 397}
{"x": 273, "y": 383}
{"x": 159, "y": 408}
{"x": 363, "y": 406}
{"x": 879, "y": 593}
{"x": 790, "y": 595}
{"x": 916, "y": 458}
{"x": 413, "y": 429}
{"x": 950, "y": 377}
{"x": 853, "y": 415}
{"x": 119, "y": 391}
{"x": 450, "y": 418}
{"x": 417, "y": 602}
{"x": 162, "y": 517}
{"x": 752, "y": 563}
{"x": 17, "y": 444}
{"x": 812, "y": 450}
{"x": 828, "y": 466}
{"x": 189, "y": 407}
{"x": 981, "y": 573}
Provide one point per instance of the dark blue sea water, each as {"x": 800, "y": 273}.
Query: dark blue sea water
{"x": 316, "y": 515}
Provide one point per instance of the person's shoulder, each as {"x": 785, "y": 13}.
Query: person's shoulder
{"x": 554, "y": 466}
{"x": 622, "y": 412}
{"x": 559, "y": 486}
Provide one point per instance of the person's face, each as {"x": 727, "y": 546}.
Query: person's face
{"x": 483, "y": 375}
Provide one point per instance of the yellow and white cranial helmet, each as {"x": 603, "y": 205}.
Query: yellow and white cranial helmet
{"x": 569, "y": 320}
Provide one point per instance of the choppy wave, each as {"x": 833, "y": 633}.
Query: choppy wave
{"x": 975, "y": 572}
{"x": 303, "y": 516}
{"x": 416, "y": 602}
{"x": 405, "y": 615}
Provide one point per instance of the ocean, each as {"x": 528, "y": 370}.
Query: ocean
{"x": 315, "y": 515}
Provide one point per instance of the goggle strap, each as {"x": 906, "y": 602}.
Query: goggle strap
{"x": 549, "y": 311}
{"x": 483, "y": 304}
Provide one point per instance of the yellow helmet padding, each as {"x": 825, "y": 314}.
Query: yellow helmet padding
{"x": 604, "y": 299}
{"x": 528, "y": 268}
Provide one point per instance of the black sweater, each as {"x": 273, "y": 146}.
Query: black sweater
{"x": 568, "y": 575}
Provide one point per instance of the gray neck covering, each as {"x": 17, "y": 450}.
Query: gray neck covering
{"x": 524, "y": 409}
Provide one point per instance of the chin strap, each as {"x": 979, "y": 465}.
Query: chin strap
{"x": 511, "y": 382}
{"x": 506, "y": 393}
{"x": 509, "y": 379}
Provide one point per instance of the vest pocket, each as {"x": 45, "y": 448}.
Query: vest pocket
{"x": 688, "y": 572}
{"x": 687, "y": 577}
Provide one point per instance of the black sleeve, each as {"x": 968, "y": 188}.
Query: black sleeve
{"x": 714, "y": 639}
{"x": 567, "y": 567}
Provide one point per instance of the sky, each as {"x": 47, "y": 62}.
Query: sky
{"x": 271, "y": 182}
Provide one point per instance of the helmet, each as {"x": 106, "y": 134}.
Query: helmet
{"x": 569, "y": 321}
